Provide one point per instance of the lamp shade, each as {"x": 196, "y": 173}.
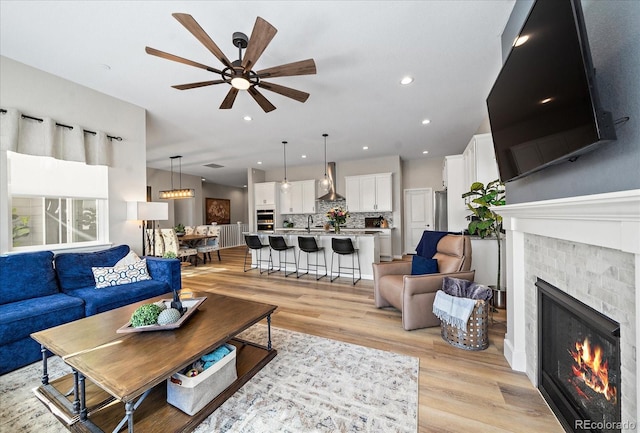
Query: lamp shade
{"x": 147, "y": 211}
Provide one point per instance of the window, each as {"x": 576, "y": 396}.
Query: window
{"x": 55, "y": 203}
{"x": 53, "y": 221}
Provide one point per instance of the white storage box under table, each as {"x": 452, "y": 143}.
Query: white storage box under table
{"x": 190, "y": 394}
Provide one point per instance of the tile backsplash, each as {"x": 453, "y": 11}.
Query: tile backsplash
{"x": 355, "y": 220}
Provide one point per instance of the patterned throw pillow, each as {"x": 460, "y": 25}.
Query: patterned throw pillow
{"x": 118, "y": 275}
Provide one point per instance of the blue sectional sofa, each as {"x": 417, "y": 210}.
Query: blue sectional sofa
{"x": 39, "y": 290}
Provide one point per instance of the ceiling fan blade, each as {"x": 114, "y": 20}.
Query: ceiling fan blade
{"x": 192, "y": 25}
{"x": 179, "y": 59}
{"x": 229, "y": 99}
{"x": 261, "y": 35}
{"x": 285, "y": 91}
{"x": 302, "y": 67}
{"x": 261, "y": 100}
{"x": 196, "y": 85}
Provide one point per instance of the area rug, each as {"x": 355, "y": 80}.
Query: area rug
{"x": 313, "y": 385}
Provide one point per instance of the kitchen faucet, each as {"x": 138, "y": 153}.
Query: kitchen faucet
{"x": 309, "y": 222}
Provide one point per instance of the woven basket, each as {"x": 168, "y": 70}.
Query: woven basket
{"x": 476, "y": 337}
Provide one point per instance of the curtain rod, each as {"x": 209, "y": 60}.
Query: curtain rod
{"x": 24, "y": 116}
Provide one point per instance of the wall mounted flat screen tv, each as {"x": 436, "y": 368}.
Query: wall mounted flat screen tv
{"x": 544, "y": 107}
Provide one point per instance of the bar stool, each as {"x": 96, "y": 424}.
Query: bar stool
{"x": 253, "y": 243}
{"x": 308, "y": 245}
{"x": 344, "y": 247}
{"x": 278, "y": 244}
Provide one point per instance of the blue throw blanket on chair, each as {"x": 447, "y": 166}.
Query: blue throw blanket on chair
{"x": 427, "y": 245}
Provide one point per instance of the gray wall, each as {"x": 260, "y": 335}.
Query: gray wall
{"x": 191, "y": 211}
{"x": 41, "y": 94}
{"x": 613, "y": 32}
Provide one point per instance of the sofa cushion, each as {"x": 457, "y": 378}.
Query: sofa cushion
{"x": 99, "y": 301}
{"x": 421, "y": 265}
{"x": 21, "y": 318}
{"x": 74, "y": 269}
{"x": 120, "y": 274}
{"x": 26, "y": 276}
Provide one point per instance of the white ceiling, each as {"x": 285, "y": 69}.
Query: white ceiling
{"x": 361, "y": 48}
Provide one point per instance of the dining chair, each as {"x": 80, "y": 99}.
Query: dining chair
{"x": 171, "y": 244}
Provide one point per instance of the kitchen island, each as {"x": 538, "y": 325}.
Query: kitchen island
{"x": 367, "y": 242}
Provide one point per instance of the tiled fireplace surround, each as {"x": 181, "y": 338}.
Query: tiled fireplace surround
{"x": 589, "y": 247}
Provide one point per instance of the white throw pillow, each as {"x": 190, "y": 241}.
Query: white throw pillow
{"x": 129, "y": 259}
{"x": 118, "y": 275}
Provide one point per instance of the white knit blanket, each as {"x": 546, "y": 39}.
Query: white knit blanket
{"x": 453, "y": 310}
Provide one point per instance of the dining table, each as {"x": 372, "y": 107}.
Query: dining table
{"x": 192, "y": 241}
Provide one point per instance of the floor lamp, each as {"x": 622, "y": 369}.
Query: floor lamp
{"x": 146, "y": 211}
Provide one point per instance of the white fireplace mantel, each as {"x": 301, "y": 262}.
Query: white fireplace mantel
{"x": 609, "y": 220}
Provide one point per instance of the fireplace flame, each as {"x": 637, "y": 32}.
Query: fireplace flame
{"x": 592, "y": 370}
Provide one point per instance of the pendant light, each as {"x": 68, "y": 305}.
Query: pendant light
{"x": 285, "y": 185}
{"x": 325, "y": 184}
{"x": 179, "y": 192}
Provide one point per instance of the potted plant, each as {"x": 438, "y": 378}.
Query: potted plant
{"x": 485, "y": 221}
{"x": 179, "y": 228}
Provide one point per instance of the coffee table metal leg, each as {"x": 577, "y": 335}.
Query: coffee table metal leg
{"x": 76, "y": 399}
{"x": 83, "y": 400}
{"x": 269, "y": 332}
{"x": 45, "y": 373}
{"x": 129, "y": 408}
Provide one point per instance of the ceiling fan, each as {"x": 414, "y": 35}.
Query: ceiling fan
{"x": 239, "y": 74}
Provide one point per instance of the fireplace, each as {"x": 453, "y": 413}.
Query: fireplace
{"x": 579, "y": 362}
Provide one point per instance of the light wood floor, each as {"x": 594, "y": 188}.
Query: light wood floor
{"x": 459, "y": 390}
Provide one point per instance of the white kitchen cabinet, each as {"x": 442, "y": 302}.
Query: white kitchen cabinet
{"x": 456, "y": 185}
{"x": 308, "y": 196}
{"x": 484, "y": 259}
{"x": 300, "y": 199}
{"x": 264, "y": 195}
{"x": 369, "y": 193}
{"x": 480, "y": 160}
{"x": 386, "y": 253}
{"x": 352, "y": 191}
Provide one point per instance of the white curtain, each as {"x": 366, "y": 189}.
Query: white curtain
{"x": 32, "y": 137}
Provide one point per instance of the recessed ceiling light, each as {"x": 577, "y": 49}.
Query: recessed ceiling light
{"x": 244, "y": 186}
{"x": 406, "y": 80}
{"x": 203, "y": 179}
{"x": 425, "y": 152}
{"x": 520, "y": 40}
{"x": 546, "y": 100}
{"x": 304, "y": 156}
{"x": 259, "y": 162}
{"x": 247, "y": 118}
{"x": 365, "y": 147}
{"x": 426, "y": 121}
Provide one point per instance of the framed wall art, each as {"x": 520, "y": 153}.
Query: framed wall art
{"x": 218, "y": 211}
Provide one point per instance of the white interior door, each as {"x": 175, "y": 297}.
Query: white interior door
{"x": 418, "y": 216}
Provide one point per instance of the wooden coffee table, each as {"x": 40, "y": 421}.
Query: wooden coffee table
{"x": 119, "y": 379}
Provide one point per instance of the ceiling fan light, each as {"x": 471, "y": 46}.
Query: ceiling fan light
{"x": 240, "y": 83}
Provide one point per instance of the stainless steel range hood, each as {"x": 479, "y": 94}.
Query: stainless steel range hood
{"x": 331, "y": 174}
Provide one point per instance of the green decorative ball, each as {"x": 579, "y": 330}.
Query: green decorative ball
{"x": 144, "y": 315}
{"x": 168, "y": 316}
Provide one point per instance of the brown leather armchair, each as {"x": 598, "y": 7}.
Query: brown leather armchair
{"x": 413, "y": 295}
